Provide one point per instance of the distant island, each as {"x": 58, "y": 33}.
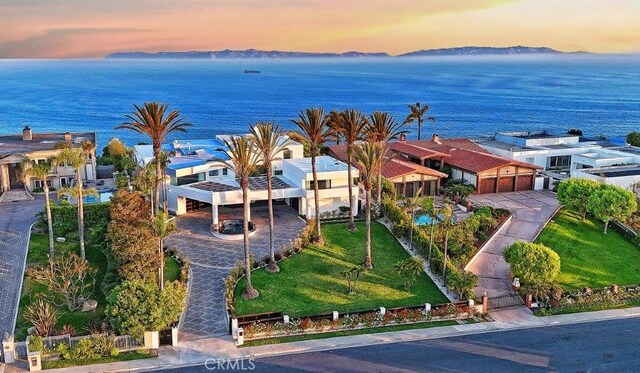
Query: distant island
{"x": 255, "y": 53}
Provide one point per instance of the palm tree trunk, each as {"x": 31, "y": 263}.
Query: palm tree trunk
{"x": 273, "y": 266}
{"x": 47, "y": 209}
{"x": 444, "y": 259}
{"x": 316, "y": 197}
{"x": 379, "y": 191}
{"x": 367, "y": 261}
{"x": 161, "y": 266}
{"x": 411, "y": 230}
{"x": 419, "y": 129}
{"x": 352, "y": 223}
{"x": 156, "y": 153}
{"x": 80, "y": 214}
{"x": 249, "y": 291}
{"x": 430, "y": 242}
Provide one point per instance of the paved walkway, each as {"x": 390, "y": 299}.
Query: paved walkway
{"x": 531, "y": 210}
{"x": 212, "y": 258}
{"x": 15, "y": 220}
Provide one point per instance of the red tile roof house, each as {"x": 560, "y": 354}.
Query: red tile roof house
{"x": 468, "y": 161}
{"x": 416, "y": 163}
{"x": 407, "y": 176}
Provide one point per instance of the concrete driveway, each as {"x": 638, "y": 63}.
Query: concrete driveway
{"x": 15, "y": 220}
{"x": 212, "y": 258}
{"x": 531, "y": 210}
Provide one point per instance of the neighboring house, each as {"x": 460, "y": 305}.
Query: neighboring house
{"x": 565, "y": 155}
{"x": 406, "y": 176}
{"x": 470, "y": 163}
{"x": 199, "y": 178}
{"x": 14, "y": 149}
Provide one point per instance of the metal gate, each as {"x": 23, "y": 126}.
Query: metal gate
{"x": 504, "y": 301}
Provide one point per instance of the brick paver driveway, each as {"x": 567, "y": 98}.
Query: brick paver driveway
{"x": 530, "y": 210}
{"x": 212, "y": 258}
{"x": 15, "y": 220}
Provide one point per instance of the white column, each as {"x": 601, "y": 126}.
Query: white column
{"x": 355, "y": 204}
{"x": 214, "y": 215}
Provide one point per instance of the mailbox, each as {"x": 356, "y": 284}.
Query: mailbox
{"x": 240, "y": 340}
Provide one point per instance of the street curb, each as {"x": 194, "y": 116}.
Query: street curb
{"x": 24, "y": 267}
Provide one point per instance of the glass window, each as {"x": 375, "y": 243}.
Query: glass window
{"x": 225, "y": 171}
{"x": 560, "y": 161}
{"x": 286, "y": 154}
{"x": 322, "y": 184}
{"x": 277, "y": 172}
{"x": 214, "y": 172}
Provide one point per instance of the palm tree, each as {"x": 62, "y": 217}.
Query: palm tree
{"x": 41, "y": 171}
{"x": 447, "y": 225}
{"x": 77, "y": 159}
{"x": 430, "y": 210}
{"x": 334, "y": 121}
{"x": 412, "y": 203}
{"x": 163, "y": 227}
{"x": 417, "y": 114}
{"x": 314, "y": 131}
{"x": 269, "y": 140}
{"x": 152, "y": 120}
{"x": 383, "y": 128}
{"x": 164, "y": 162}
{"x": 351, "y": 124}
{"x": 369, "y": 158}
{"x": 243, "y": 161}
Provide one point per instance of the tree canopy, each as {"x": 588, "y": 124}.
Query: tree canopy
{"x": 633, "y": 138}
{"x": 610, "y": 202}
{"x": 533, "y": 263}
{"x": 574, "y": 194}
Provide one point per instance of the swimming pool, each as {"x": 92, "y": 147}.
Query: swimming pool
{"x": 426, "y": 219}
{"x": 102, "y": 197}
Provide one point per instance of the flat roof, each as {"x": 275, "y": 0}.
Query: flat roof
{"x": 10, "y": 144}
{"x": 255, "y": 183}
{"x": 324, "y": 163}
{"x": 621, "y": 172}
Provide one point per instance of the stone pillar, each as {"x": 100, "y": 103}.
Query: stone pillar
{"x": 427, "y": 307}
{"x": 528, "y": 299}
{"x": 334, "y": 315}
{"x": 485, "y": 302}
{"x": 383, "y": 311}
{"x": 35, "y": 361}
{"x": 8, "y": 349}
{"x": 214, "y": 216}
{"x": 285, "y": 319}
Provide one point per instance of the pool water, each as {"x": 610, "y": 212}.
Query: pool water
{"x": 103, "y": 197}
{"x": 426, "y": 219}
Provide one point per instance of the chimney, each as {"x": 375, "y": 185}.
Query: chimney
{"x": 27, "y": 134}
{"x": 436, "y": 138}
{"x": 403, "y": 137}
{"x": 67, "y": 136}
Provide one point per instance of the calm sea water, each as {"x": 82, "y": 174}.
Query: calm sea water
{"x": 469, "y": 96}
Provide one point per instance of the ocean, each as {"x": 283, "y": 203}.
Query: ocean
{"x": 469, "y": 96}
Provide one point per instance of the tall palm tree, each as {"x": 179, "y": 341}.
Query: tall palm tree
{"x": 351, "y": 125}
{"x": 164, "y": 162}
{"x": 243, "y": 161}
{"x": 417, "y": 114}
{"x": 269, "y": 140}
{"x": 163, "y": 227}
{"x": 429, "y": 209}
{"x": 151, "y": 119}
{"x": 369, "y": 158}
{"x": 314, "y": 131}
{"x": 334, "y": 120}
{"x": 447, "y": 225}
{"x": 77, "y": 159}
{"x": 383, "y": 128}
{"x": 412, "y": 203}
{"x": 41, "y": 171}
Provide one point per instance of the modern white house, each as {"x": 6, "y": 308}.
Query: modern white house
{"x": 199, "y": 178}
{"x": 566, "y": 155}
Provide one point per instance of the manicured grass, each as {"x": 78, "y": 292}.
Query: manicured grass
{"x": 172, "y": 269}
{"x": 588, "y": 257}
{"x": 125, "y": 356}
{"x": 37, "y": 256}
{"x": 384, "y": 329}
{"x": 311, "y": 282}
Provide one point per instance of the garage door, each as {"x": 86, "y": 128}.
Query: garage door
{"x": 487, "y": 185}
{"x": 525, "y": 182}
{"x": 507, "y": 184}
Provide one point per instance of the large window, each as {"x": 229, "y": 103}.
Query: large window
{"x": 183, "y": 180}
{"x": 563, "y": 161}
{"x": 286, "y": 153}
{"x": 322, "y": 184}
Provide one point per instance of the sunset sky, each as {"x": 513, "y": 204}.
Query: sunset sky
{"x": 94, "y": 28}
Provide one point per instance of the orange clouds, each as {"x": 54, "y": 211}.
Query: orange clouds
{"x": 93, "y": 28}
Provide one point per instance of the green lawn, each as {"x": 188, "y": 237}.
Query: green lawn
{"x": 125, "y": 356}
{"x": 311, "y": 281}
{"x": 588, "y": 256}
{"x": 37, "y": 255}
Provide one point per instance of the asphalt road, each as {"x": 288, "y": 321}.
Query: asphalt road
{"x": 609, "y": 346}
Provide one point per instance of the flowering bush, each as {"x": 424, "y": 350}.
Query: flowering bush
{"x": 591, "y": 300}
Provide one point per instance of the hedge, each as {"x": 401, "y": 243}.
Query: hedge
{"x": 65, "y": 217}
